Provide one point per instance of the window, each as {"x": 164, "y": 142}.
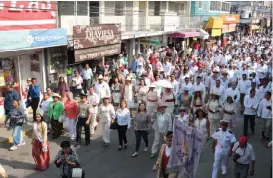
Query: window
{"x": 182, "y": 9}
{"x": 215, "y": 6}
{"x": 66, "y": 7}
{"x": 200, "y": 4}
{"x": 119, "y": 8}
{"x": 109, "y": 8}
{"x": 225, "y": 7}
{"x": 154, "y": 8}
{"x": 94, "y": 8}
{"x": 82, "y": 8}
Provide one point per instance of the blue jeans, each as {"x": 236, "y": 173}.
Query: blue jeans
{"x": 17, "y": 134}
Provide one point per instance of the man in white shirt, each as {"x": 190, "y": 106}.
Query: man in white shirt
{"x": 102, "y": 88}
{"x": 187, "y": 84}
{"x": 87, "y": 75}
{"x": 243, "y": 157}
{"x": 251, "y": 103}
{"x": 233, "y": 92}
{"x": 264, "y": 114}
{"x": 263, "y": 89}
{"x": 94, "y": 100}
{"x": 243, "y": 86}
{"x": 77, "y": 84}
{"x": 218, "y": 89}
{"x": 262, "y": 70}
{"x": 167, "y": 67}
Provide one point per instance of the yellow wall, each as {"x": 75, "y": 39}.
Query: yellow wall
{"x": 216, "y": 32}
{"x": 215, "y": 22}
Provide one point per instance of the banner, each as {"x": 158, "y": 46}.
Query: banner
{"x": 187, "y": 145}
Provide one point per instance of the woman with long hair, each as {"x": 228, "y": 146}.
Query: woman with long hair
{"x": 40, "y": 148}
{"x": 214, "y": 107}
{"x": 106, "y": 113}
{"x": 56, "y": 109}
{"x": 201, "y": 123}
{"x": 123, "y": 117}
{"x": 229, "y": 110}
{"x": 67, "y": 159}
{"x": 116, "y": 90}
{"x": 152, "y": 100}
{"x": 142, "y": 91}
{"x": 71, "y": 111}
{"x": 142, "y": 122}
{"x": 17, "y": 119}
{"x": 62, "y": 87}
{"x": 197, "y": 101}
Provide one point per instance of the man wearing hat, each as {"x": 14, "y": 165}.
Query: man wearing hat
{"x": 84, "y": 119}
{"x": 211, "y": 80}
{"x": 223, "y": 141}
{"x": 225, "y": 81}
{"x": 102, "y": 88}
{"x": 161, "y": 125}
{"x": 243, "y": 157}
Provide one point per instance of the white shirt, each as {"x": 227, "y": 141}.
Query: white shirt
{"x": 200, "y": 87}
{"x": 224, "y": 140}
{"x": 102, "y": 89}
{"x": 167, "y": 68}
{"x": 123, "y": 117}
{"x": 243, "y": 86}
{"x": 250, "y": 102}
{"x": 261, "y": 92}
{"x": 263, "y": 110}
{"x": 246, "y": 154}
{"x": 220, "y": 90}
{"x": 94, "y": 99}
{"x": 45, "y": 104}
{"x": 234, "y": 93}
{"x": 106, "y": 113}
{"x": 87, "y": 73}
{"x": 163, "y": 122}
{"x": 261, "y": 71}
{"x": 77, "y": 82}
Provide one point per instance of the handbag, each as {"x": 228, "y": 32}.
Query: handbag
{"x": 114, "y": 124}
{"x": 62, "y": 118}
{"x": 77, "y": 172}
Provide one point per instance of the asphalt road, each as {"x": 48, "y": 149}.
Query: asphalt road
{"x": 100, "y": 162}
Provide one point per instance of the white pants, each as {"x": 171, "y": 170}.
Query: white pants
{"x": 105, "y": 131}
{"x": 70, "y": 125}
{"x": 214, "y": 125}
{"x": 218, "y": 157}
{"x": 158, "y": 137}
{"x": 94, "y": 123}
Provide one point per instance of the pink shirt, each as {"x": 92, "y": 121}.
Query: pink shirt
{"x": 71, "y": 109}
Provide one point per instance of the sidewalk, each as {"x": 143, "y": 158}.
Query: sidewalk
{"x": 6, "y": 136}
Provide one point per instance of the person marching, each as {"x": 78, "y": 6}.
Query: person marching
{"x": 201, "y": 123}
{"x": 152, "y": 99}
{"x": 129, "y": 92}
{"x": 84, "y": 119}
{"x": 106, "y": 113}
{"x": 142, "y": 91}
{"x": 223, "y": 141}
{"x": 229, "y": 110}
{"x": 169, "y": 99}
{"x": 185, "y": 99}
{"x": 93, "y": 99}
{"x": 162, "y": 124}
{"x": 197, "y": 101}
{"x": 214, "y": 107}
{"x": 117, "y": 90}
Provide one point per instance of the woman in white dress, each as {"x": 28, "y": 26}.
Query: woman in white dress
{"x": 106, "y": 113}
{"x": 229, "y": 110}
{"x": 129, "y": 93}
{"x": 116, "y": 89}
{"x": 201, "y": 123}
{"x": 152, "y": 100}
{"x": 214, "y": 107}
{"x": 142, "y": 92}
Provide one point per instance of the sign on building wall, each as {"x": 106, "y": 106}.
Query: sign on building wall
{"x": 26, "y": 15}
{"x": 96, "y": 35}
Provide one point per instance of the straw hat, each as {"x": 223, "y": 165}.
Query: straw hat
{"x": 56, "y": 95}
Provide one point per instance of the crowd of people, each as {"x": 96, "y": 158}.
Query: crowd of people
{"x": 208, "y": 87}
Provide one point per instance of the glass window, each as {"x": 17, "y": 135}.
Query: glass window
{"x": 157, "y": 8}
{"x": 82, "y": 8}
{"x": 119, "y": 8}
{"x": 109, "y": 8}
{"x": 66, "y": 7}
{"x": 200, "y": 4}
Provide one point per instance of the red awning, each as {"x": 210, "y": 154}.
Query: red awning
{"x": 184, "y": 34}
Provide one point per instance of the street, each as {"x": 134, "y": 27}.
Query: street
{"x": 100, "y": 162}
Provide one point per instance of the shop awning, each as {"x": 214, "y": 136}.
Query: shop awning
{"x": 149, "y": 42}
{"x": 96, "y": 52}
{"x": 214, "y": 22}
{"x": 184, "y": 34}
{"x": 216, "y": 32}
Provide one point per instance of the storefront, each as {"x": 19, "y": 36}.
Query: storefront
{"x": 95, "y": 43}
{"x": 22, "y": 55}
{"x": 214, "y": 27}
{"x": 229, "y": 25}
{"x": 183, "y": 39}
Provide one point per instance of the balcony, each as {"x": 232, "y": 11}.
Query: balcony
{"x": 246, "y": 21}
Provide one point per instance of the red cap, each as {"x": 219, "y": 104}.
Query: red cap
{"x": 243, "y": 140}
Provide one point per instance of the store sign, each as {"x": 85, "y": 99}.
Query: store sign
{"x": 96, "y": 53}
{"x": 96, "y": 35}
{"x": 31, "y": 39}
{"x": 26, "y": 15}
{"x": 229, "y": 19}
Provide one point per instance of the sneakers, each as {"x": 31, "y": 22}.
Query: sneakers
{"x": 145, "y": 149}
{"x": 152, "y": 155}
{"x": 14, "y": 147}
{"x": 22, "y": 143}
{"x": 224, "y": 170}
{"x": 135, "y": 154}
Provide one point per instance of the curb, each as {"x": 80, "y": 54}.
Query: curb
{"x": 10, "y": 139}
